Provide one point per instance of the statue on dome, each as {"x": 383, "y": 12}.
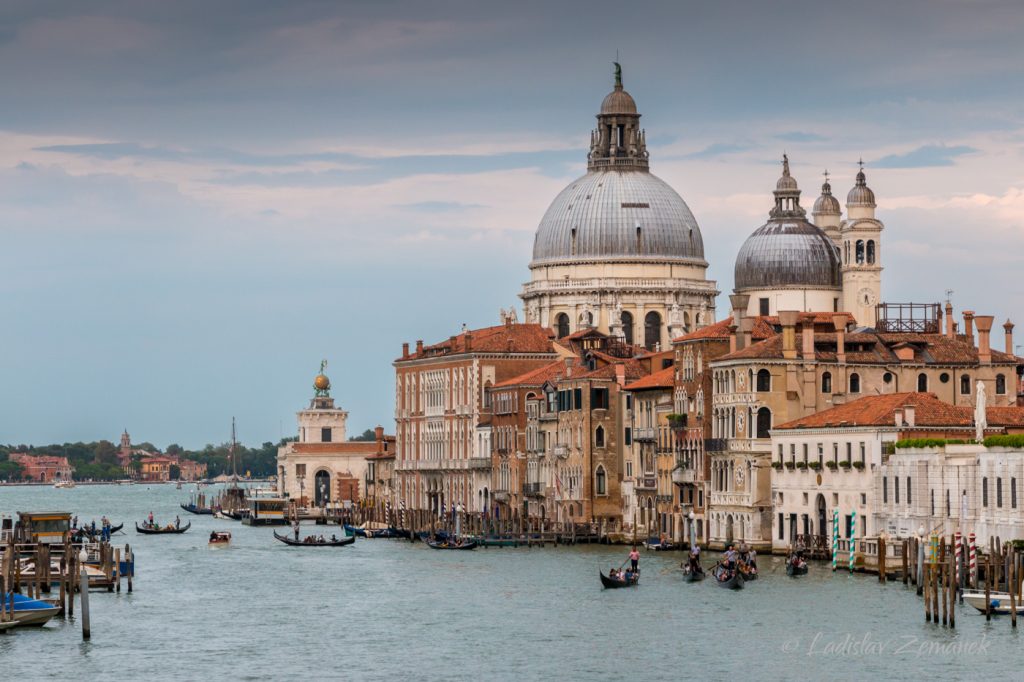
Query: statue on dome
{"x": 618, "y": 74}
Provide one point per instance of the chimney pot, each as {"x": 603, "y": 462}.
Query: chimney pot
{"x": 1008, "y": 328}
{"x": 405, "y": 349}
{"x": 788, "y": 320}
{"x": 898, "y": 417}
{"x": 968, "y": 326}
{"x": 419, "y": 346}
{"x": 839, "y": 322}
{"x": 984, "y": 323}
{"x": 950, "y": 324}
{"x": 732, "y": 338}
{"x": 469, "y": 341}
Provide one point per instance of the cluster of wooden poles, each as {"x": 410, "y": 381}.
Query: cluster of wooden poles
{"x": 69, "y": 576}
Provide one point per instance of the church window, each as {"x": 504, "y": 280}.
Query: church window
{"x": 871, "y": 252}
{"x": 627, "y": 326}
{"x": 601, "y": 481}
{"x": 325, "y": 435}
{"x": 860, "y": 252}
{"x": 764, "y": 381}
{"x": 562, "y": 322}
{"x": 763, "y": 306}
{"x": 573, "y": 237}
{"x": 854, "y": 383}
{"x": 922, "y": 382}
{"x": 1000, "y": 384}
{"x": 652, "y": 330}
{"x": 965, "y": 385}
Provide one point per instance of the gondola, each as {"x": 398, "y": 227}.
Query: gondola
{"x": 327, "y": 543}
{"x": 793, "y": 569}
{"x": 196, "y": 509}
{"x": 93, "y": 534}
{"x": 355, "y": 530}
{"x": 692, "y": 576}
{"x": 448, "y": 544}
{"x": 733, "y": 582}
{"x": 162, "y": 531}
{"x": 749, "y": 574}
{"x": 612, "y": 583}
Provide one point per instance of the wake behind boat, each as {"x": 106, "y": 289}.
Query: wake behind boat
{"x": 153, "y": 529}
{"x": 310, "y": 541}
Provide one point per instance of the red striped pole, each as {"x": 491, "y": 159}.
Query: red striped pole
{"x": 973, "y": 558}
{"x": 958, "y": 551}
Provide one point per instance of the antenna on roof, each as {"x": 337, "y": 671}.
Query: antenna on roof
{"x": 949, "y": 295}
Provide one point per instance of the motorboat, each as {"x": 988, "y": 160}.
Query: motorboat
{"x": 28, "y": 611}
{"x": 999, "y": 601}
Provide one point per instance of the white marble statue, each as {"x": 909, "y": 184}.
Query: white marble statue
{"x": 980, "y": 413}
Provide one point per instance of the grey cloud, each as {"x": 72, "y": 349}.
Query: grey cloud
{"x": 719, "y": 149}
{"x": 930, "y": 155}
{"x": 800, "y": 136}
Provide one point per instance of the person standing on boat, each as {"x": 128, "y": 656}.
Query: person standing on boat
{"x": 177, "y": 521}
{"x": 150, "y": 518}
{"x": 634, "y": 559}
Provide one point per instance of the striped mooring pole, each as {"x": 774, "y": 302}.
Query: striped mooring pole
{"x": 853, "y": 537}
{"x": 835, "y": 538}
{"x": 958, "y": 542}
{"x": 972, "y": 559}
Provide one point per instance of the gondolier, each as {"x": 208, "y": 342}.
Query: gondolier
{"x": 634, "y": 559}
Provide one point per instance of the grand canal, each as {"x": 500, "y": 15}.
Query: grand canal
{"x": 384, "y": 609}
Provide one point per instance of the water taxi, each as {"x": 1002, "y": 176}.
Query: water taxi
{"x": 1000, "y": 601}
{"x": 220, "y": 538}
{"x": 266, "y": 511}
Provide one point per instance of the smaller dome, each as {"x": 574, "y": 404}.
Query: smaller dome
{"x": 826, "y": 203}
{"x": 618, "y": 101}
{"x": 321, "y": 382}
{"x": 861, "y": 194}
{"x": 786, "y": 183}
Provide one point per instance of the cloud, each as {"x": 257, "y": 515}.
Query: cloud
{"x": 928, "y": 156}
{"x": 718, "y": 149}
{"x": 799, "y": 136}
{"x": 438, "y": 206}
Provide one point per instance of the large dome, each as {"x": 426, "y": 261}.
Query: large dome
{"x": 788, "y": 253}
{"x": 618, "y": 215}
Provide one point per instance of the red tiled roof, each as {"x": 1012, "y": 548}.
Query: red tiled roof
{"x": 879, "y": 410}
{"x": 632, "y": 370}
{"x": 664, "y": 378}
{"x": 502, "y": 338}
{"x": 537, "y": 377}
{"x": 764, "y": 327}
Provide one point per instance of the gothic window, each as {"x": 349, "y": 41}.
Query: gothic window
{"x": 562, "y": 323}
{"x": 599, "y": 437}
{"x": 854, "y": 383}
{"x": 764, "y": 381}
{"x": 652, "y": 330}
{"x": 627, "y": 326}
{"x": 601, "y": 481}
{"x": 860, "y": 252}
{"x": 1000, "y": 384}
{"x": 871, "y": 252}
{"x": 764, "y": 422}
{"x": 922, "y": 383}
{"x": 826, "y": 382}
{"x": 965, "y": 385}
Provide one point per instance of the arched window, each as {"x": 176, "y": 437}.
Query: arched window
{"x": 562, "y": 324}
{"x": 965, "y": 385}
{"x": 600, "y": 481}
{"x": 871, "y": 252}
{"x": 854, "y": 383}
{"x": 627, "y": 326}
{"x": 764, "y": 381}
{"x": 860, "y": 252}
{"x": 1000, "y": 384}
{"x": 652, "y": 330}
{"x": 922, "y": 383}
{"x": 764, "y": 422}
{"x": 599, "y": 437}
{"x": 826, "y": 382}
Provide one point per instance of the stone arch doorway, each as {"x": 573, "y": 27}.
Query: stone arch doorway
{"x": 728, "y": 529}
{"x": 819, "y": 504}
{"x": 322, "y": 488}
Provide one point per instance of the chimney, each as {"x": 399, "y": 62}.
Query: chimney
{"x": 968, "y": 326}
{"x": 419, "y": 347}
{"x": 984, "y": 323}
{"x": 469, "y": 341}
{"x": 839, "y": 322}
{"x": 950, "y": 332}
{"x": 1008, "y": 328}
{"x": 732, "y": 338}
{"x": 739, "y": 314}
{"x": 620, "y": 374}
{"x": 808, "y": 345}
{"x": 909, "y": 414}
{"x": 379, "y": 433}
{"x": 788, "y": 319}
{"x": 746, "y": 329}
{"x": 898, "y": 418}
{"x": 405, "y": 349}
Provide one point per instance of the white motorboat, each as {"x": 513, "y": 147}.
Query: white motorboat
{"x": 999, "y": 601}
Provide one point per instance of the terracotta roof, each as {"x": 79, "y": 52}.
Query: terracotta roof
{"x": 536, "y": 377}
{"x": 503, "y": 338}
{"x": 879, "y": 410}
{"x": 764, "y": 327}
{"x": 664, "y": 378}
{"x": 632, "y": 370}
{"x": 352, "y": 447}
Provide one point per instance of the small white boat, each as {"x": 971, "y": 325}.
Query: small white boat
{"x": 64, "y": 484}
{"x": 999, "y": 601}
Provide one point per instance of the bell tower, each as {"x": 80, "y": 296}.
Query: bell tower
{"x": 861, "y": 247}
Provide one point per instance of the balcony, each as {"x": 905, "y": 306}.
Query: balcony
{"x": 684, "y": 476}
{"x": 479, "y": 463}
{"x": 716, "y": 445}
{"x": 535, "y": 489}
{"x": 645, "y": 433}
{"x": 500, "y": 496}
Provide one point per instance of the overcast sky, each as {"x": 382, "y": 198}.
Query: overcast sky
{"x": 199, "y": 200}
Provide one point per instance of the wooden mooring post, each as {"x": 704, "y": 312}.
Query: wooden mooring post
{"x": 881, "y": 559}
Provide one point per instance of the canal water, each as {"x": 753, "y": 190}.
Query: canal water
{"x": 386, "y": 610}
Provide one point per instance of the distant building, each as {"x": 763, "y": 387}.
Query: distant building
{"x": 321, "y": 466}
{"x": 156, "y": 468}
{"x": 43, "y": 468}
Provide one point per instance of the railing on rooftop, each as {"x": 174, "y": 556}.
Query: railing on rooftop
{"x": 912, "y": 318}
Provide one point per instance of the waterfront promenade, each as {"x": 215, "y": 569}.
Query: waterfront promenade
{"x": 393, "y": 610}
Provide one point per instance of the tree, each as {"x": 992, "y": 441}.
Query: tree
{"x": 367, "y": 435}
{"x": 173, "y": 449}
{"x": 175, "y": 472}
{"x": 10, "y": 471}
{"x": 105, "y": 453}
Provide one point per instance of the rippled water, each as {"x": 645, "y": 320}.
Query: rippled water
{"x": 384, "y": 609}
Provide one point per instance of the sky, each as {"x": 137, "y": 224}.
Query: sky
{"x": 200, "y": 201}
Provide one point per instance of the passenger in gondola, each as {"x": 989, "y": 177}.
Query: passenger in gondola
{"x": 213, "y": 536}
{"x": 333, "y": 538}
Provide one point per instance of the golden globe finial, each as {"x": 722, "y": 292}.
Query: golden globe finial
{"x": 321, "y": 383}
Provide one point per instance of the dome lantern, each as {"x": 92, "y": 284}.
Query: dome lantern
{"x": 826, "y": 204}
{"x": 861, "y": 194}
{"x": 618, "y": 142}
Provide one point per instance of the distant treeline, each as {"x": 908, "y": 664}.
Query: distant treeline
{"x": 98, "y": 461}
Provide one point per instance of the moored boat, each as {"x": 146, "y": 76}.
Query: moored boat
{"x": 307, "y": 543}
{"x": 28, "y": 611}
{"x": 193, "y": 508}
{"x": 147, "y": 529}
{"x": 999, "y": 601}
{"x": 611, "y": 581}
